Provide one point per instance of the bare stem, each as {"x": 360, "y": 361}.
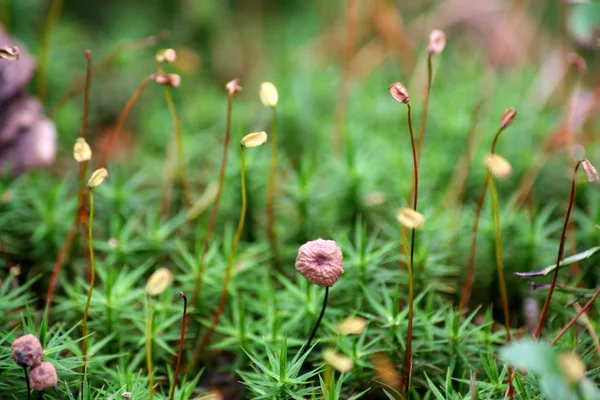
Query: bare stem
{"x": 27, "y": 381}
{"x": 561, "y": 248}
{"x": 92, "y": 277}
{"x": 305, "y": 348}
{"x": 215, "y": 206}
{"x": 80, "y": 213}
{"x": 575, "y": 318}
{"x": 181, "y": 340}
{"x": 181, "y": 174}
{"x": 271, "y": 195}
{"x": 466, "y": 292}
{"x": 236, "y": 240}
{"x": 122, "y": 119}
{"x": 411, "y": 289}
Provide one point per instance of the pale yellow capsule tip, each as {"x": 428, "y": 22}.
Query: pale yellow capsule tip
{"x": 571, "y": 367}
{"x": 498, "y": 166}
{"x": 268, "y": 94}
{"x": 10, "y": 53}
{"x": 338, "y": 361}
{"x": 82, "y": 151}
{"x": 159, "y": 281}
{"x": 254, "y": 139}
{"x": 351, "y": 326}
{"x": 166, "y": 55}
{"x": 410, "y": 218}
{"x": 97, "y": 178}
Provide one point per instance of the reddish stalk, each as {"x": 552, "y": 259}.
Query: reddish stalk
{"x": 575, "y": 318}
{"x": 466, "y": 292}
{"x": 561, "y": 248}
{"x": 81, "y": 212}
{"x": 411, "y": 289}
{"x": 425, "y": 107}
{"x": 215, "y": 206}
{"x": 236, "y": 239}
{"x": 180, "y": 351}
{"x": 121, "y": 120}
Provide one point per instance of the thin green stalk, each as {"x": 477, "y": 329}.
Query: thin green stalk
{"x": 215, "y": 206}
{"x": 51, "y": 21}
{"x": 236, "y": 239}
{"x": 500, "y": 268}
{"x": 561, "y": 249}
{"x": 149, "y": 349}
{"x": 92, "y": 276}
{"x": 271, "y": 195}
{"x": 499, "y": 261}
{"x": 411, "y": 288}
{"x": 181, "y": 173}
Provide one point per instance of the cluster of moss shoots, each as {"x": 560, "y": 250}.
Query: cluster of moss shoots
{"x": 320, "y": 261}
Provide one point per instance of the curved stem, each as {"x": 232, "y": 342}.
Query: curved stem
{"x": 305, "y": 348}
{"x": 271, "y": 194}
{"x": 411, "y": 289}
{"x": 215, "y": 206}
{"x": 181, "y": 340}
{"x": 27, "y": 381}
{"x": 121, "y": 120}
{"x": 236, "y": 240}
{"x": 561, "y": 249}
{"x": 92, "y": 276}
{"x": 469, "y": 277}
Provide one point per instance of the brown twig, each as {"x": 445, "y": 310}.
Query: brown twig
{"x": 575, "y": 318}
